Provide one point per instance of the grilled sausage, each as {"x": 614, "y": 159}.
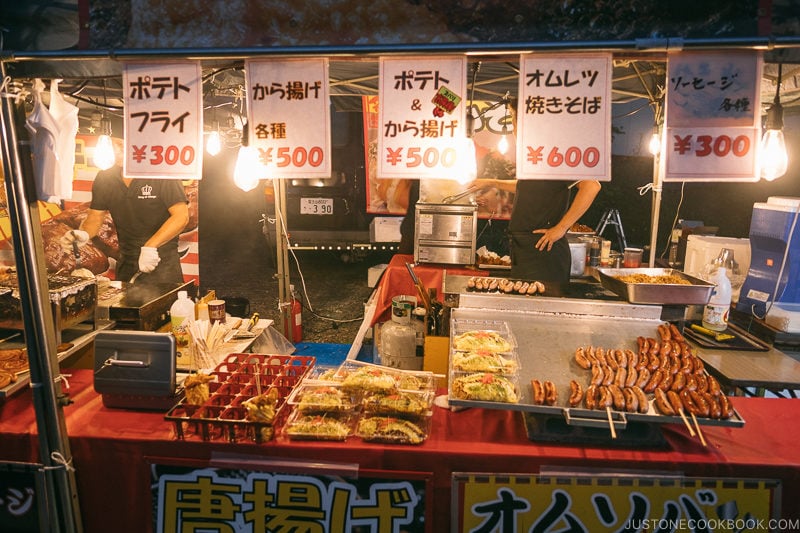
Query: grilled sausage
{"x": 726, "y": 409}
{"x": 630, "y": 379}
{"x": 538, "y": 391}
{"x": 675, "y": 401}
{"x": 604, "y": 398}
{"x": 678, "y": 382}
{"x": 620, "y": 377}
{"x": 714, "y": 387}
{"x": 581, "y": 359}
{"x": 550, "y": 393}
{"x": 662, "y": 403}
{"x": 714, "y": 408}
{"x": 643, "y": 378}
{"x": 590, "y": 397}
{"x": 597, "y": 374}
{"x": 617, "y": 398}
{"x": 653, "y": 382}
{"x": 575, "y": 393}
{"x": 641, "y": 398}
{"x": 631, "y": 400}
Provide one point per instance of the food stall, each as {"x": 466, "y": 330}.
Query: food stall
{"x": 389, "y": 467}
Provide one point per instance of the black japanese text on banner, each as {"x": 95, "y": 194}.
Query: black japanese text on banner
{"x": 421, "y": 125}
{"x": 564, "y": 117}
{"x": 289, "y": 116}
{"x": 712, "y": 112}
{"x": 163, "y": 120}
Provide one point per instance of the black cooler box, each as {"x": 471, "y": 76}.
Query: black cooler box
{"x": 135, "y": 369}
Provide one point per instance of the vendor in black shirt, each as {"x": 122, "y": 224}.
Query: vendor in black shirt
{"x": 149, "y": 214}
{"x": 541, "y": 217}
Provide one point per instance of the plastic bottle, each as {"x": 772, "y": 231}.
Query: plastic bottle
{"x": 715, "y": 314}
{"x": 181, "y": 315}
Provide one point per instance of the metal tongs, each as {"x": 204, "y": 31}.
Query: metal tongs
{"x": 423, "y": 294}
{"x": 453, "y": 197}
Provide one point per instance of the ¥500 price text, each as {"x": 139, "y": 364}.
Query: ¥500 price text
{"x": 285, "y": 156}
{"x": 416, "y": 156}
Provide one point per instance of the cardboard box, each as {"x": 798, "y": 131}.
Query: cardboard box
{"x": 436, "y": 359}
{"x": 385, "y": 229}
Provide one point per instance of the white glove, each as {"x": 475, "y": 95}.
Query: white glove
{"x": 148, "y": 259}
{"x": 77, "y": 236}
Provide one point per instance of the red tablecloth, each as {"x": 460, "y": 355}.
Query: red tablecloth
{"x": 112, "y": 450}
{"x": 396, "y": 281}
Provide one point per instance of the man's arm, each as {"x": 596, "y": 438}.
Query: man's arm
{"x": 587, "y": 191}
{"x": 173, "y": 226}
{"x": 93, "y": 221}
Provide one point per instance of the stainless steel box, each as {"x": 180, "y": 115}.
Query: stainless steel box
{"x": 445, "y": 233}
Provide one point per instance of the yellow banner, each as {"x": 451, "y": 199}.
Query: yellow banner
{"x": 505, "y": 504}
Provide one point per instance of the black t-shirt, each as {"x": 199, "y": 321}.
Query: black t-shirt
{"x": 138, "y": 211}
{"x": 539, "y": 204}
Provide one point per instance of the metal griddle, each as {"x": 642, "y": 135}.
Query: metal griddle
{"x": 548, "y": 331}
{"x": 145, "y": 307}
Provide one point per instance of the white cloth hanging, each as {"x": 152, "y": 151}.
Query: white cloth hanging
{"x": 65, "y": 116}
{"x": 44, "y": 133}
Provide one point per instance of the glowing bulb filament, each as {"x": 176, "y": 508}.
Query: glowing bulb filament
{"x": 104, "y": 153}
{"x": 248, "y": 169}
{"x": 213, "y": 144}
{"x": 655, "y": 144}
{"x": 502, "y": 144}
{"x": 774, "y": 160}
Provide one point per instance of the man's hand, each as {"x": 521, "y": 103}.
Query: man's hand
{"x": 73, "y": 236}
{"x": 148, "y": 259}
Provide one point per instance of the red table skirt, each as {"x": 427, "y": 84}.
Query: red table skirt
{"x": 112, "y": 449}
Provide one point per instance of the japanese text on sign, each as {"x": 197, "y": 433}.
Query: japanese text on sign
{"x": 565, "y": 117}
{"x": 163, "y": 120}
{"x": 422, "y": 126}
{"x": 207, "y": 499}
{"x": 587, "y": 504}
{"x": 712, "y": 124}
{"x": 289, "y": 116}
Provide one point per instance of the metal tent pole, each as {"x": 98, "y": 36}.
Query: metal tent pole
{"x": 283, "y": 271}
{"x": 40, "y": 338}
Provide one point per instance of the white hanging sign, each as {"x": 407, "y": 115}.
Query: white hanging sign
{"x": 564, "y": 117}
{"x": 421, "y": 119}
{"x": 163, "y": 120}
{"x": 712, "y": 112}
{"x": 288, "y": 115}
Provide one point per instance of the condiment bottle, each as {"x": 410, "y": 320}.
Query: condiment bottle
{"x": 181, "y": 315}
{"x": 715, "y": 313}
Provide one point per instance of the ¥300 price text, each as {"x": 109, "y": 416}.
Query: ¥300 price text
{"x": 416, "y": 156}
{"x": 706, "y": 145}
{"x": 160, "y": 155}
{"x": 556, "y": 157}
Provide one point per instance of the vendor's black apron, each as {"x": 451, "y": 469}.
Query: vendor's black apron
{"x": 539, "y": 204}
{"x": 168, "y": 270}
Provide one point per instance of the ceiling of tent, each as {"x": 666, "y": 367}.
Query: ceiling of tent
{"x": 95, "y": 84}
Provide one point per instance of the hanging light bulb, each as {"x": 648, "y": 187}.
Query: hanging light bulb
{"x": 654, "y": 146}
{"x": 248, "y": 169}
{"x": 774, "y": 159}
{"x": 104, "y": 157}
{"x": 502, "y": 144}
{"x": 213, "y": 144}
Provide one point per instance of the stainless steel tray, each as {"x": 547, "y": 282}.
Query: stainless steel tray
{"x": 697, "y": 292}
{"x": 546, "y": 348}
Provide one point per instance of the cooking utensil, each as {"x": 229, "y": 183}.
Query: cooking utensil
{"x": 453, "y": 197}
{"x": 135, "y": 276}
{"x": 421, "y": 290}
{"x": 12, "y": 336}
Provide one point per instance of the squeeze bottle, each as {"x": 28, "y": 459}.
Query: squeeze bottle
{"x": 715, "y": 314}
{"x": 181, "y": 314}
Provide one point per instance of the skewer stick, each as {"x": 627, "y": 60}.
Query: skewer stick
{"x": 611, "y": 423}
{"x": 686, "y": 421}
{"x": 699, "y": 431}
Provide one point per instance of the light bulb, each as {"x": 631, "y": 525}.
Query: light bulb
{"x": 213, "y": 144}
{"x": 248, "y": 169}
{"x": 655, "y": 144}
{"x": 774, "y": 160}
{"x": 502, "y": 144}
{"x": 468, "y": 161}
{"x": 104, "y": 153}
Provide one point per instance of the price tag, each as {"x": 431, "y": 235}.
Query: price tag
{"x": 564, "y": 117}
{"x": 316, "y": 206}
{"x": 712, "y": 129}
{"x": 282, "y": 97}
{"x": 163, "y": 120}
{"x": 421, "y": 118}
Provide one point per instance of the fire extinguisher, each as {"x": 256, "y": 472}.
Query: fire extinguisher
{"x": 295, "y": 324}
